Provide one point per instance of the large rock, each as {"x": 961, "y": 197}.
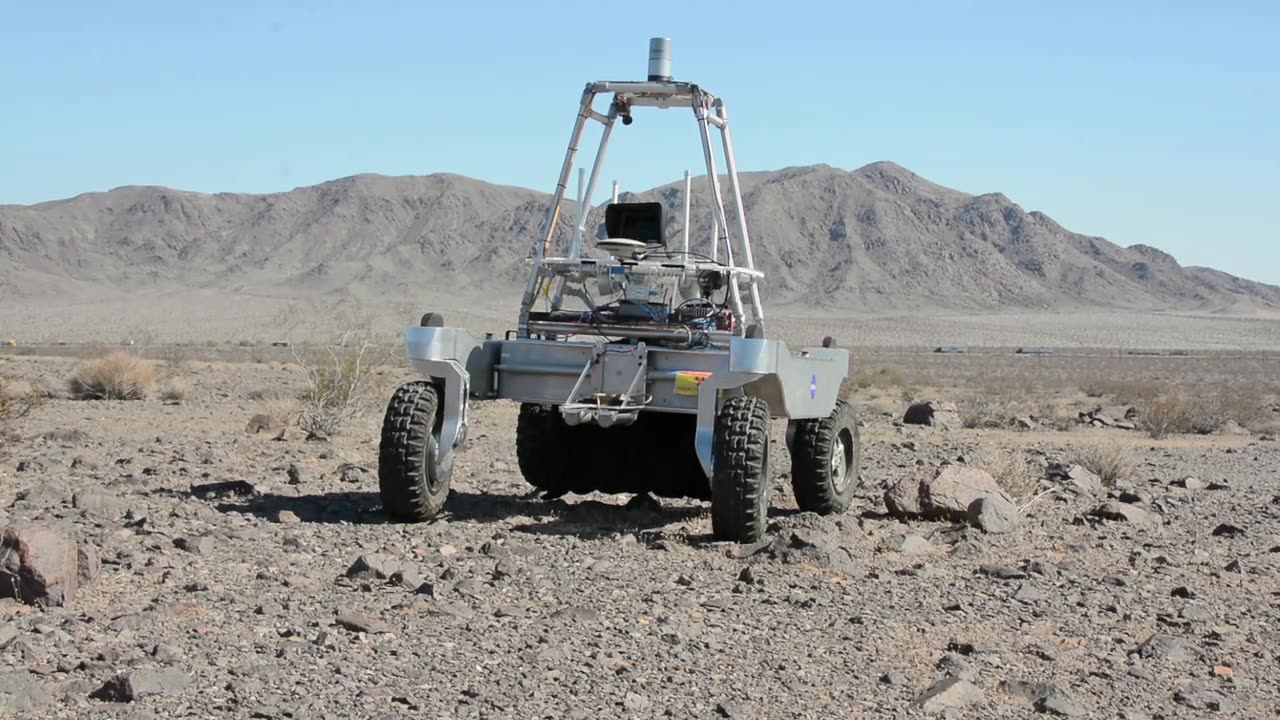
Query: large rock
{"x": 993, "y": 514}
{"x": 19, "y": 694}
{"x": 933, "y": 413}
{"x": 950, "y": 693}
{"x": 903, "y": 499}
{"x": 949, "y": 495}
{"x": 1077, "y": 479}
{"x": 1124, "y": 512}
{"x": 38, "y": 565}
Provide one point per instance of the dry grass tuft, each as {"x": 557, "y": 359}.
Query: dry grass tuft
{"x": 1112, "y": 463}
{"x": 339, "y": 381}
{"x": 16, "y": 401}
{"x": 1011, "y": 470}
{"x": 174, "y": 389}
{"x": 116, "y": 376}
{"x": 985, "y": 411}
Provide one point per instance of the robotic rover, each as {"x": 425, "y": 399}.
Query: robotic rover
{"x": 666, "y": 381}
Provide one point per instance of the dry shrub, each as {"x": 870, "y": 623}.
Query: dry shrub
{"x": 1123, "y": 392}
{"x": 116, "y": 376}
{"x": 16, "y": 401}
{"x": 340, "y": 381}
{"x": 888, "y": 377}
{"x": 1018, "y": 477}
{"x": 174, "y": 389}
{"x": 1204, "y": 411}
{"x": 987, "y": 412}
{"x": 1112, "y": 462}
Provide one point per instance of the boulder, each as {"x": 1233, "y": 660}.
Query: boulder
{"x": 38, "y": 565}
{"x": 993, "y": 514}
{"x": 933, "y": 413}
{"x": 949, "y": 495}
{"x": 1124, "y": 512}
{"x": 903, "y": 499}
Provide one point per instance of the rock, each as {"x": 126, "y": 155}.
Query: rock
{"x": 894, "y": 678}
{"x": 1023, "y": 423}
{"x": 1191, "y": 483}
{"x": 296, "y": 474}
{"x": 1233, "y": 428}
{"x": 731, "y": 710}
{"x": 908, "y": 544}
{"x": 950, "y": 693}
{"x": 374, "y": 566}
{"x": 65, "y": 437}
{"x": 229, "y": 488}
{"x": 199, "y": 545}
{"x": 38, "y": 565}
{"x": 362, "y": 623}
{"x": 1169, "y": 647}
{"x": 352, "y": 473}
{"x": 954, "y": 665}
{"x": 1201, "y": 696}
{"x": 166, "y": 653}
{"x": 1124, "y": 512}
{"x": 903, "y": 499}
{"x": 1077, "y": 480}
{"x": 286, "y": 517}
{"x": 1027, "y": 594}
{"x": 950, "y": 493}
{"x": 1228, "y": 530}
{"x": 575, "y": 613}
{"x": 88, "y": 563}
{"x": 1045, "y": 698}
{"x": 634, "y": 702}
{"x": 262, "y": 423}
{"x": 98, "y": 502}
{"x": 20, "y": 694}
{"x": 929, "y": 412}
{"x": 993, "y": 514}
{"x": 1002, "y": 572}
{"x": 407, "y": 578}
{"x": 137, "y": 684}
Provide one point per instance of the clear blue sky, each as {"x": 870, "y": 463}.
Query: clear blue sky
{"x": 1142, "y": 121}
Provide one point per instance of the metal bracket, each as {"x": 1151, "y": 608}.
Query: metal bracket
{"x": 608, "y": 409}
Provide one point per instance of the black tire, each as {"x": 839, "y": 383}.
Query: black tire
{"x": 826, "y": 461}
{"x": 740, "y": 470}
{"x": 541, "y": 447}
{"x": 410, "y": 480}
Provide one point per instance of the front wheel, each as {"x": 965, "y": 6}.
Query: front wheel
{"x": 411, "y": 482}
{"x": 826, "y": 460}
{"x": 740, "y": 470}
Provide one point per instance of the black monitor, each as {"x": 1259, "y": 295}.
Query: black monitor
{"x": 635, "y": 221}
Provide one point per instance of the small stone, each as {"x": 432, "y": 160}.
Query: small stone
{"x": 1027, "y": 594}
{"x": 684, "y": 581}
{"x": 1169, "y": 647}
{"x": 894, "y": 678}
{"x": 200, "y": 545}
{"x": 374, "y": 566}
{"x": 98, "y": 502}
{"x": 138, "y": 684}
{"x": 954, "y": 665}
{"x": 38, "y": 565}
{"x": 1002, "y": 572}
{"x": 1125, "y": 512}
{"x": 352, "y": 473}
{"x": 575, "y": 613}
{"x": 747, "y": 575}
{"x": 909, "y": 544}
{"x": 1228, "y": 530}
{"x": 166, "y": 653}
{"x": 950, "y": 693}
{"x": 1056, "y": 702}
{"x": 407, "y": 578}
{"x": 296, "y": 473}
{"x": 362, "y": 623}
{"x": 286, "y": 517}
{"x": 635, "y": 702}
{"x": 20, "y": 694}
{"x": 903, "y": 499}
{"x": 1190, "y": 483}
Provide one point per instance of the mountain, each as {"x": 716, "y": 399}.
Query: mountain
{"x": 879, "y": 237}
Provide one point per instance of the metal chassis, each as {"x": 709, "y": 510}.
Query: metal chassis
{"x": 544, "y": 363}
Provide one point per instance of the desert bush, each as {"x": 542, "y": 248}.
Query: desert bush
{"x": 339, "y": 381}
{"x": 987, "y": 412}
{"x": 115, "y": 376}
{"x": 16, "y": 402}
{"x": 174, "y": 389}
{"x": 1011, "y": 470}
{"x": 1123, "y": 392}
{"x": 1204, "y": 411}
{"x": 1112, "y": 463}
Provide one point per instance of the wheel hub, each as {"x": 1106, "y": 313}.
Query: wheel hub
{"x": 840, "y": 462}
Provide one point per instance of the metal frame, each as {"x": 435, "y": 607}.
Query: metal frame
{"x": 610, "y": 384}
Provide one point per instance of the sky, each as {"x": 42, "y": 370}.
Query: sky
{"x": 1139, "y": 121}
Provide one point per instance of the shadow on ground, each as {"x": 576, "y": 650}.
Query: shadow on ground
{"x": 585, "y": 519}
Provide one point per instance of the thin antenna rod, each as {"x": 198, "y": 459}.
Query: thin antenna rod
{"x": 615, "y": 191}
{"x": 575, "y": 247}
{"x": 688, "y": 187}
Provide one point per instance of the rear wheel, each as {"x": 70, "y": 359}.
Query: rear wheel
{"x": 541, "y": 449}
{"x": 740, "y": 470}
{"x": 826, "y": 460}
{"x": 411, "y": 482}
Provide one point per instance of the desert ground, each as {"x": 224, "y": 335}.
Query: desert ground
{"x": 253, "y": 574}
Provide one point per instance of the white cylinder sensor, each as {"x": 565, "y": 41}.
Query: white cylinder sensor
{"x": 659, "y": 59}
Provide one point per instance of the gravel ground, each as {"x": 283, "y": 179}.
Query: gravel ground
{"x": 296, "y": 599}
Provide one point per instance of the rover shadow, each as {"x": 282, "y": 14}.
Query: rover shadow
{"x": 585, "y": 519}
